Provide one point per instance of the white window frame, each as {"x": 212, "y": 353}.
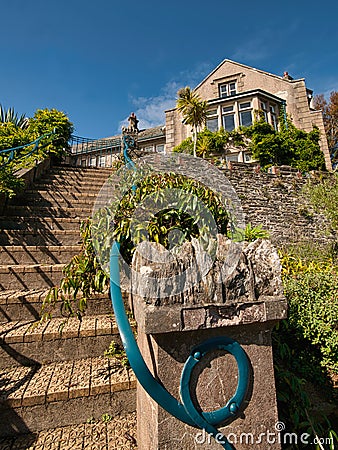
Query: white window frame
{"x": 102, "y": 160}
{"x": 227, "y": 89}
{"x": 212, "y": 115}
{"x": 273, "y": 117}
{"x": 160, "y": 148}
{"x": 229, "y": 110}
{"x": 242, "y": 108}
{"x": 264, "y": 108}
{"x": 149, "y": 148}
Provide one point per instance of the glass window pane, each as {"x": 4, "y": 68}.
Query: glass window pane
{"x": 245, "y": 105}
{"x": 229, "y": 122}
{"x": 246, "y": 119}
{"x": 160, "y": 148}
{"x": 274, "y": 121}
{"x": 228, "y": 108}
{"x": 232, "y": 88}
{"x": 223, "y": 90}
{"x": 212, "y": 124}
{"x": 212, "y": 112}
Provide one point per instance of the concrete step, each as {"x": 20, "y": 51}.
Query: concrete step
{"x": 57, "y": 339}
{"x": 69, "y": 184}
{"x": 36, "y": 276}
{"x": 30, "y": 254}
{"x": 74, "y": 178}
{"x": 36, "y": 224}
{"x": 53, "y": 201}
{"x": 63, "y": 190}
{"x": 81, "y": 170}
{"x": 55, "y": 195}
{"x": 45, "y": 211}
{"x": 119, "y": 433}
{"x": 39, "y": 237}
{"x": 26, "y": 305}
{"x": 64, "y": 393}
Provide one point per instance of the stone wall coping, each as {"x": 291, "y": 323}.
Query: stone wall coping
{"x": 169, "y": 318}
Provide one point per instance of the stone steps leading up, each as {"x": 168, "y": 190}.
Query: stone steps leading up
{"x": 36, "y": 224}
{"x": 25, "y": 277}
{"x": 81, "y": 170}
{"x": 26, "y": 305}
{"x": 119, "y": 433}
{"x": 54, "y": 198}
{"x": 74, "y": 179}
{"x": 63, "y": 393}
{"x": 39, "y": 237}
{"x": 65, "y": 184}
{"x": 32, "y": 254}
{"x": 53, "y": 374}
{"x": 54, "y": 340}
{"x": 45, "y": 211}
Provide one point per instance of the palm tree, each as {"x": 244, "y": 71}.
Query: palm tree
{"x": 11, "y": 116}
{"x": 193, "y": 109}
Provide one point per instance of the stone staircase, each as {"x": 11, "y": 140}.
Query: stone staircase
{"x": 54, "y": 379}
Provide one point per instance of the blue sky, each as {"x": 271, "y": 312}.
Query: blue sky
{"x": 99, "y": 60}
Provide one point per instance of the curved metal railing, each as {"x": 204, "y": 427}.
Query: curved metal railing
{"x": 184, "y": 410}
{"x": 15, "y": 153}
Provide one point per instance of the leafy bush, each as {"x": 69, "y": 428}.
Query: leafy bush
{"x": 322, "y": 194}
{"x": 186, "y": 146}
{"x": 312, "y": 293}
{"x": 249, "y": 233}
{"x": 289, "y": 146}
{"x": 18, "y": 131}
{"x": 83, "y": 276}
{"x": 48, "y": 121}
{"x": 162, "y": 226}
{"x": 306, "y": 345}
{"x": 9, "y": 183}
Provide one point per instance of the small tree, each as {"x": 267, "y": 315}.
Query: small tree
{"x": 193, "y": 109}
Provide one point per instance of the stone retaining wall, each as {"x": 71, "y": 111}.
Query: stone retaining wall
{"x": 275, "y": 201}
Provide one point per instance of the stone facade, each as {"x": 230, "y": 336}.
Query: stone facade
{"x": 232, "y": 83}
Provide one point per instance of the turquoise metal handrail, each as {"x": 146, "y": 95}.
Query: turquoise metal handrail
{"x": 16, "y": 150}
{"x": 185, "y": 411}
{"x": 82, "y": 146}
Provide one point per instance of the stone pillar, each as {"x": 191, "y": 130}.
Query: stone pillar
{"x": 243, "y": 305}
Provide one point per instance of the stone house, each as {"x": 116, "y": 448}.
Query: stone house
{"x": 236, "y": 92}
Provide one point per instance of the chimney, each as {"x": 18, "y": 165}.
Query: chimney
{"x": 286, "y": 76}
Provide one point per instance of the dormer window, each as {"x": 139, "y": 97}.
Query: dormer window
{"x": 227, "y": 89}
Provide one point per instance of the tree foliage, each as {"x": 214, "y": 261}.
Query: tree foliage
{"x": 330, "y": 116}
{"x": 288, "y": 146}
{"x": 18, "y": 131}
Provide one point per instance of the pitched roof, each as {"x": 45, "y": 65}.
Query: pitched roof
{"x": 240, "y": 65}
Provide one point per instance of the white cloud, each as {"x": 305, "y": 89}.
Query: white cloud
{"x": 150, "y": 110}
